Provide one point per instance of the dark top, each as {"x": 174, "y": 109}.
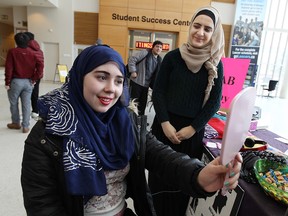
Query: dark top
{"x": 43, "y": 182}
{"x": 35, "y": 48}
{"x": 181, "y": 92}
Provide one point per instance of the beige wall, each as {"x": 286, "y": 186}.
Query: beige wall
{"x": 174, "y": 16}
{"x": 85, "y": 27}
{"x": 56, "y": 25}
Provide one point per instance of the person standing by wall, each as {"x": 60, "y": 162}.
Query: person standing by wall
{"x": 144, "y": 67}
{"x": 186, "y": 94}
{"x": 35, "y": 48}
{"x": 20, "y": 76}
{"x": 99, "y": 41}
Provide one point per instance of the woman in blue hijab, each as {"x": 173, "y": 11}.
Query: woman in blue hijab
{"x": 89, "y": 151}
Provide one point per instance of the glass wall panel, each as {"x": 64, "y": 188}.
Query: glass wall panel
{"x": 274, "y": 44}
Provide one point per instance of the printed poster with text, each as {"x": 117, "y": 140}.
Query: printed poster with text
{"x": 247, "y": 32}
{"x": 235, "y": 71}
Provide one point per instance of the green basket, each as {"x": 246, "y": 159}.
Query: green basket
{"x": 263, "y": 166}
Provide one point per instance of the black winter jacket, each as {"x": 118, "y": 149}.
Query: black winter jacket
{"x": 43, "y": 182}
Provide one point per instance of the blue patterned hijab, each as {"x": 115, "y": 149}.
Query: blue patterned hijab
{"x": 93, "y": 142}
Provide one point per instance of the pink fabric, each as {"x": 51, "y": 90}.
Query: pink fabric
{"x": 218, "y": 125}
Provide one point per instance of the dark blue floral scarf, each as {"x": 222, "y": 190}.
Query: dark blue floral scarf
{"x": 93, "y": 142}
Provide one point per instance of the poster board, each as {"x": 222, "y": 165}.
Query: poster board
{"x": 246, "y": 35}
{"x": 235, "y": 71}
{"x": 62, "y": 72}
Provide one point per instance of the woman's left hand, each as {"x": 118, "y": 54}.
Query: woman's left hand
{"x": 185, "y": 133}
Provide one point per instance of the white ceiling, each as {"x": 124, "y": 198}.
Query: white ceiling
{"x": 38, "y": 3}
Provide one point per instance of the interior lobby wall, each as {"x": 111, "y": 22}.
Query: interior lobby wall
{"x": 116, "y": 18}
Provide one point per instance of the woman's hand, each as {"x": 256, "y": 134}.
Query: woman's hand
{"x": 133, "y": 75}
{"x": 212, "y": 176}
{"x": 185, "y": 133}
{"x": 170, "y": 132}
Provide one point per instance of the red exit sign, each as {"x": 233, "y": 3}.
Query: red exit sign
{"x": 148, "y": 45}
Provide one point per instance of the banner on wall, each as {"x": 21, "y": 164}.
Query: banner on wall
{"x": 247, "y": 32}
{"x": 235, "y": 71}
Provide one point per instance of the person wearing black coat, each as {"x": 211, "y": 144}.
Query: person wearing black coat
{"x": 88, "y": 152}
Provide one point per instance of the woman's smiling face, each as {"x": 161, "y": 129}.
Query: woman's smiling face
{"x": 103, "y": 86}
{"x": 201, "y": 31}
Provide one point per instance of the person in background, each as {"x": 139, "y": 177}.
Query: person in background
{"x": 186, "y": 94}
{"x": 144, "y": 67}
{"x": 35, "y": 48}
{"x": 88, "y": 151}
{"x": 20, "y": 76}
{"x": 99, "y": 41}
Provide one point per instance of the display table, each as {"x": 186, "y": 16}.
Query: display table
{"x": 255, "y": 201}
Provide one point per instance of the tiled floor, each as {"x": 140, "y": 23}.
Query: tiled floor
{"x": 12, "y": 142}
{"x": 11, "y": 145}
